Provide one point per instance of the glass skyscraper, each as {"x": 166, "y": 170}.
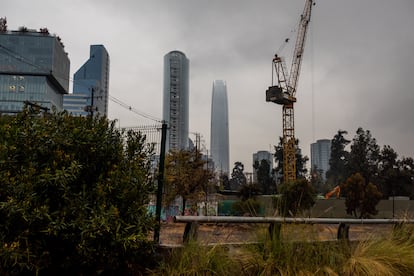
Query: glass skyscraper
{"x": 219, "y": 132}
{"x": 176, "y": 99}
{"x": 259, "y": 156}
{"x": 34, "y": 68}
{"x": 320, "y": 155}
{"x": 90, "y": 85}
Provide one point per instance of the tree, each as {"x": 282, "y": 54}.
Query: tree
{"x": 300, "y": 160}
{"x": 264, "y": 177}
{"x": 73, "y": 195}
{"x": 316, "y": 180}
{"x": 297, "y": 196}
{"x": 249, "y": 191}
{"x": 388, "y": 172}
{"x": 186, "y": 175}
{"x": 364, "y": 155}
{"x": 361, "y": 198}
{"x": 338, "y": 160}
{"x": 238, "y": 179}
{"x": 406, "y": 177}
{"x": 225, "y": 182}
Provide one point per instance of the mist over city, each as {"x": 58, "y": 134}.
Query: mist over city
{"x": 355, "y": 71}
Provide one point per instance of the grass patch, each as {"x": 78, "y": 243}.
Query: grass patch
{"x": 390, "y": 255}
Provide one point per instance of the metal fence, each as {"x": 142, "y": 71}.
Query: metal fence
{"x": 152, "y": 135}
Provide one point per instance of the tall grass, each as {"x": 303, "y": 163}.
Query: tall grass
{"x": 386, "y": 256}
{"x": 390, "y": 255}
{"x": 194, "y": 259}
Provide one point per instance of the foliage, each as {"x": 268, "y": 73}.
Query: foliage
{"x": 248, "y": 191}
{"x": 264, "y": 177}
{"x": 364, "y": 155}
{"x": 301, "y": 169}
{"x": 73, "y": 195}
{"x": 225, "y": 182}
{"x": 338, "y": 159}
{"x": 186, "y": 175}
{"x": 195, "y": 259}
{"x": 249, "y": 207}
{"x": 395, "y": 176}
{"x": 238, "y": 179}
{"x": 360, "y": 197}
{"x": 317, "y": 182}
{"x": 392, "y": 176}
{"x": 297, "y": 196}
{"x": 386, "y": 255}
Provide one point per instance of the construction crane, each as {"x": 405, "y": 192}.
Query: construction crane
{"x": 283, "y": 93}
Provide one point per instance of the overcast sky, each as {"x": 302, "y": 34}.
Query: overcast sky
{"x": 358, "y": 68}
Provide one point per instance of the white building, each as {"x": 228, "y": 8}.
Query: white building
{"x": 176, "y": 99}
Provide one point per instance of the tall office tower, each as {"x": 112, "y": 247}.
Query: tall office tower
{"x": 34, "y": 69}
{"x": 219, "y": 138}
{"x": 175, "y": 99}
{"x": 320, "y": 155}
{"x": 259, "y": 156}
{"x": 90, "y": 85}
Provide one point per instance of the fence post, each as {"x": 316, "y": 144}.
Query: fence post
{"x": 160, "y": 183}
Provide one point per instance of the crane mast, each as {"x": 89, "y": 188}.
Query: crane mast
{"x": 284, "y": 93}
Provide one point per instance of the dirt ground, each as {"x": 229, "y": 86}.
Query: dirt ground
{"x": 172, "y": 233}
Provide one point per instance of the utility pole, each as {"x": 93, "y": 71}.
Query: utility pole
{"x": 160, "y": 183}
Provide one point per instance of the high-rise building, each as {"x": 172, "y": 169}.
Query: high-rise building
{"x": 219, "y": 132}
{"x": 259, "y": 156}
{"x": 90, "y": 85}
{"x": 34, "y": 69}
{"x": 320, "y": 155}
{"x": 176, "y": 99}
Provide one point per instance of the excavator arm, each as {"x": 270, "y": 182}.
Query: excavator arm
{"x": 335, "y": 191}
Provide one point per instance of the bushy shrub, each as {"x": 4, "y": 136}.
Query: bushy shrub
{"x": 72, "y": 195}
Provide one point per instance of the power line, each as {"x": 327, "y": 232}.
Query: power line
{"x": 134, "y": 110}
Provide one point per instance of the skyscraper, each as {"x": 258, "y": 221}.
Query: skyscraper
{"x": 259, "y": 156}
{"x": 90, "y": 85}
{"x": 176, "y": 99}
{"x": 220, "y": 127}
{"x": 34, "y": 68}
{"x": 320, "y": 155}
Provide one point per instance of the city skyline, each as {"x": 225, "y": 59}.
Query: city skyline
{"x": 348, "y": 78}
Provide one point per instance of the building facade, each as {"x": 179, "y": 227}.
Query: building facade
{"x": 34, "y": 69}
{"x": 258, "y": 157}
{"x": 219, "y": 130}
{"x": 90, "y": 85}
{"x": 320, "y": 155}
{"x": 176, "y": 100}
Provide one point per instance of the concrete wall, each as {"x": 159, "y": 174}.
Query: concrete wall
{"x": 332, "y": 208}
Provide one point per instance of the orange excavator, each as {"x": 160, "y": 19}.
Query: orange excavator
{"x": 336, "y": 191}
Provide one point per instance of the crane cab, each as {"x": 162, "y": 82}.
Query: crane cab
{"x": 275, "y": 94}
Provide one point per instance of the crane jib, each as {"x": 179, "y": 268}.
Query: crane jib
{"x": 284, "y": 93}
